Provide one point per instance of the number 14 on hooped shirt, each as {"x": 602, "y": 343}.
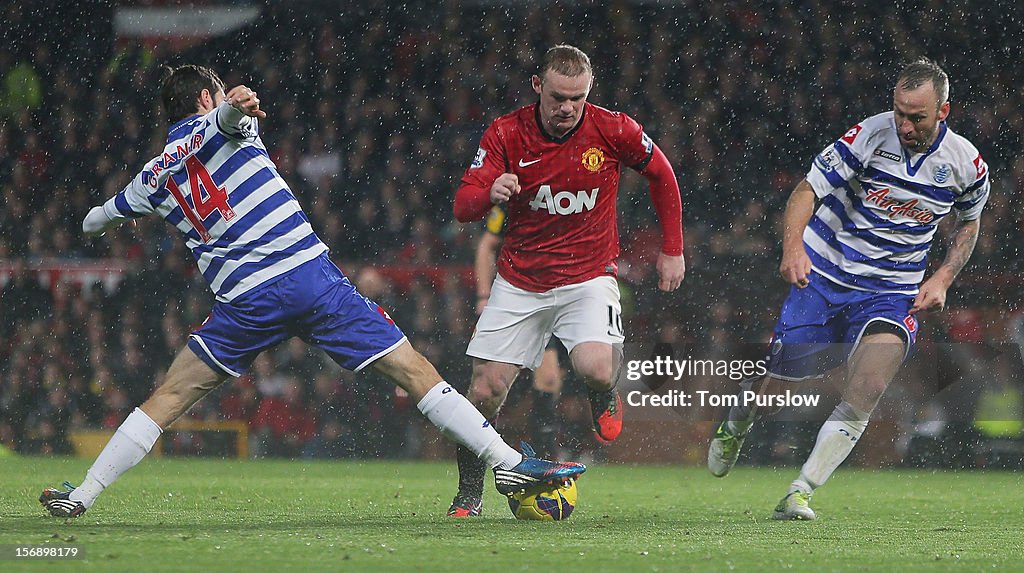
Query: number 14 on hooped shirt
{"x": 216, "y": 198}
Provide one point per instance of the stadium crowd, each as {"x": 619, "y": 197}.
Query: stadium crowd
{"x": 375, "y": 111}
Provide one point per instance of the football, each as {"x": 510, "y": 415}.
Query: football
{"x": 545, "y": 502}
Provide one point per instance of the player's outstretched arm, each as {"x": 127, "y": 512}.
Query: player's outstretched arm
{"x": 932, "y": 295}
{"x": 98, "y": 222}
{"x": 796, "y": 265}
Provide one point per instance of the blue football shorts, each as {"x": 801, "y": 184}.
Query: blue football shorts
{"x": 315, "y": 302}
{"x": 820, "y": 325}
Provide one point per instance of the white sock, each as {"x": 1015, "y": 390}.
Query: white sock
{"x": 800, "y": 485}
{"x": 457, "y": 419}
{"x": 835, "y": 441}
{"x": 130, "y": 443}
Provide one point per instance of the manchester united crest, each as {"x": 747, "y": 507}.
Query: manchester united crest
{"x": 593, "y": 159}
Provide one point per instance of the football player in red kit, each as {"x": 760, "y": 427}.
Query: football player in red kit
{"x": 556, "y": 164}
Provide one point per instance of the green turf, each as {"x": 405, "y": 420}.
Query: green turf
{"x": 254, "y": 516}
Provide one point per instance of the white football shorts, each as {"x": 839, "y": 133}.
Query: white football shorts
{"x": 516, "y": 324}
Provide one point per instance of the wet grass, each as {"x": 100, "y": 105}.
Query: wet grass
{"x": 213, "y": 515}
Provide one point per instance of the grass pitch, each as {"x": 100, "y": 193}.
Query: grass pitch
{"x": 212, "y": 515}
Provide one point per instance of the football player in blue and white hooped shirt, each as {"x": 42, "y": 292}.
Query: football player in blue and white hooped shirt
{"x": 857, "y": 263}
{"x": 215, "y": 183}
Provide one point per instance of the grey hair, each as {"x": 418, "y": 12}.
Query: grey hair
{"x": 922, "y": 70}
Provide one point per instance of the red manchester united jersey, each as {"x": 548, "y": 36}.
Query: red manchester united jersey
{"x": 562, "y": 225}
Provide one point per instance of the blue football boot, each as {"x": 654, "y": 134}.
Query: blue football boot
{"x": 534, "y": 471}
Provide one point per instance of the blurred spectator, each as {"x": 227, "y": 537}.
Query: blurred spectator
{"x": 339, "y": 426}
{"x": 49, "y": 425}
{"x": 240, "y": 400}
{"x": 24, "y": 299}
{"x": 282, "y": 425}
{"x": 22, "y": 89}
{"x": 1000, "y": 412}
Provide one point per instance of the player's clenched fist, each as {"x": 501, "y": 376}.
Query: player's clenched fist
{"x": 245, "y": 101}
{"x": 795, "y": 267}
{"x": 504, "y": 187}
{"x": 671, "y": 270}
{"x": 932, "y": 295}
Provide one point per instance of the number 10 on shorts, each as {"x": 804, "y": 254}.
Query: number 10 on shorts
{"x": 614, "y": 322}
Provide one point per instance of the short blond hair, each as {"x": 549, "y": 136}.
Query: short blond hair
{"x": 566, "y": 60}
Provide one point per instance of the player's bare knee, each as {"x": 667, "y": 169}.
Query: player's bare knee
{"x": 480, "y": 393}
{"x": 491, "y": 381}
{"x": 550, "y": 382}
{"x": 595, "y": 363}
{"x": 487, "y": 396}
{"x": 769, "y": 386}
{"x": 597, "y": 376}
{"x": 488, "y": 385}
{"x": 866, "y": 389}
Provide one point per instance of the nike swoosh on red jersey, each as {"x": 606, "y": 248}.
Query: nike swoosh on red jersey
{"x": 527, "y": 163}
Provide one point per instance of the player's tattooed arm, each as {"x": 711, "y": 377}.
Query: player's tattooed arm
{"x": 933, "y": 292}
{"x": 960, "y": 249}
